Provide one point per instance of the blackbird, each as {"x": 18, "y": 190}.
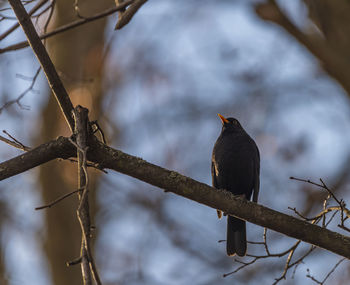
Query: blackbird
{"x": 235, "y": 167}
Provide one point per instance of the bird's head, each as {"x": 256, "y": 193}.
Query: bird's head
{"x": 230, "y": 124}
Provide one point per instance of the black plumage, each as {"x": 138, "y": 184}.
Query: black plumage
{"x": 235, "y": 167}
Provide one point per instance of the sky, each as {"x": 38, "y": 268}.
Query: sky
{"x": 215, "y": 58}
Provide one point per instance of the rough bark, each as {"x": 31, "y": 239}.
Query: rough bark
{"x": 171, "y": 181}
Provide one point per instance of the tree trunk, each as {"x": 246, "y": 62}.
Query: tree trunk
{"x": 78, "y": 57}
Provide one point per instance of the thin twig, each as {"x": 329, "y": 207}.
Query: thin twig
{"x": 15, "y": 26}
{"x": 12, "y": 143}
{"x": 99, "y": 129}
{"x": 70, "y": 26}
{"x": 318, "y": 216}
{"x": 324, "y": 186}
{"x": 288, "y": 265}
{"x": 308, "y": 275}
{"x": 53, "y": 5}
{"x": 74, "y": 262}
{"x": 344, "y": 228}
{"x": 306, "y": 180}
{"x": 38, "y": 48}
{"x": 77, "y": 9}
{"x": 290, "y": 251}
{"x": 58, "y": 200}
{"x": 341, "y": 203}
{"x": 265, "y": 241}
{"x": 17, "y": 100}
{"x": 15, "y": 143}
{"x": 244, "y": 264}
{"x": 125, "y": 17}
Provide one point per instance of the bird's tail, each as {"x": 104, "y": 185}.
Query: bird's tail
{"x": 236, "y": 241}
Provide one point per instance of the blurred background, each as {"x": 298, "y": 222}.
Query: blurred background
{"x": 155, "y": 87}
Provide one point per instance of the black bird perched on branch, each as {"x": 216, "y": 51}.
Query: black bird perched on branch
{"x": 235, "y": 167}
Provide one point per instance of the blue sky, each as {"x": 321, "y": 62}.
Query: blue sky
{"x": 198, "y": 56}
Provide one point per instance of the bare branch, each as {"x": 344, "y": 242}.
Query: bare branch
{"x": 184, "y": 186}
{"x": 53, "y": 4}
{"x": 17, "y": 100}
{"x": 15, "y": 26}
{"x": 308, "y": 275}
{"x": 74, "y": 262}
{"x": 58, "y": 200}
{"x": 331, "y": 61}
{"x": 82, "y": 132}
{"x": 318, "y": 216}
{"x": 172, "y": 181}
{"x": 125, "y": 17}
{"x": 70, "y": 26}
{"x": 15, "y": 143}
{"x": 59, "y": 148}
{"x": 342, "y": 206}
{"x": 288, "y": 265}
{"x": 324, "y": 186}
{"x": 54, "y": 81}
{"x": 99, "y": 130}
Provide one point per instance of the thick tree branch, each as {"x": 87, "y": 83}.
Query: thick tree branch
{"x": 59, "y": 148}
{"x": 171, "y": 181}
{"x": 51, "y": 74}
{"x": 218, "y": 199}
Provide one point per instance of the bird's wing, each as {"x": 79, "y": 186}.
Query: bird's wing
{"x": 213, "y": 175}
{"x": 256, "y": 177}
{"x": 215, "y": 184}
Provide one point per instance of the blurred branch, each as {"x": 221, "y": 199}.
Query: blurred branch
{"x": 288, "y": 265}
{"x": 339, "y": 182}
{"x": 51, "y": 74}
{"x": 308, "y": 275}
{"x": 331, "y": 61}
{"x": 125, "y": 16}
{"x": 49, "y": 17}
{"x": 69, "y": 26}
{"x": 170, "y": 181}
{"x": 17, "y": 100}
{"x": 173, "y": 230}
{"x": 15, "y": 26}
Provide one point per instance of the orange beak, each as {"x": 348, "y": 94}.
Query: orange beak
{"x": 223, "y": 119}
